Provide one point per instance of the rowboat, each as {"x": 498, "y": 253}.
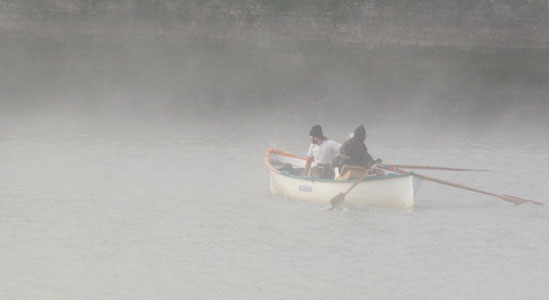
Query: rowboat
{"x": 392, "y": 189}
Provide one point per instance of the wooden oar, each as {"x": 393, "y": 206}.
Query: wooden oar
{"x": 391, "y": 167}
{"x": 508, "y": 198}
{"x": 339, "y": 198}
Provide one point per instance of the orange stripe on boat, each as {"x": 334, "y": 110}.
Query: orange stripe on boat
{"x": 267, "y": 163}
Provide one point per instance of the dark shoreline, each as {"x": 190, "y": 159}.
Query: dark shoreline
{"x": 473, "y": 24}
{"x": 200, "y": 78}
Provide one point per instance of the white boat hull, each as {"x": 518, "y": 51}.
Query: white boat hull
{"x": 389, "y": 190}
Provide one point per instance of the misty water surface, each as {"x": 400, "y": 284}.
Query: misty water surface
{"x": 134, "y": 170}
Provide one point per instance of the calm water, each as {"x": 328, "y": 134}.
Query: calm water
{"x": 179, "y": 211}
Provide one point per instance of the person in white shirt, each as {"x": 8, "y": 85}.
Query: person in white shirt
{"x": 320, "y": 154}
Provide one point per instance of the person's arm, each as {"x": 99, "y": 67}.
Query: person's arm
{"x": 343, "y": 148}
{"x": 310, "y": 160}
{"x": 307, "y": 167}
{"x": 337, "y": 147}
{"x": 370, "y": 159}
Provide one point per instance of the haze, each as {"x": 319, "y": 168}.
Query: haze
{"x": 132, "y": 137}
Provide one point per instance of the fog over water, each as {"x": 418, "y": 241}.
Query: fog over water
{"x": 132, "y": 168}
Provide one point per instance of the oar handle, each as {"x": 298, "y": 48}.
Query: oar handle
{"x": 429, "y": 168}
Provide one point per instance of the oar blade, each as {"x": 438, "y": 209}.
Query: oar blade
{"x": 519, "y": 201}
{"x": 337, "y": 200}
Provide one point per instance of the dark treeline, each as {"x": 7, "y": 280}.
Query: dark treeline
{"x": 457, "y": 23}
{"x": 213, "y": 77}
{"x": 375, "y": 60}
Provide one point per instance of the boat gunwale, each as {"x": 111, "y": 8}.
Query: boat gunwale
{"x": 271, "y": 151}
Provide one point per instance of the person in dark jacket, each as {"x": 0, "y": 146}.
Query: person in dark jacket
{"x": 356, "y": 151}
